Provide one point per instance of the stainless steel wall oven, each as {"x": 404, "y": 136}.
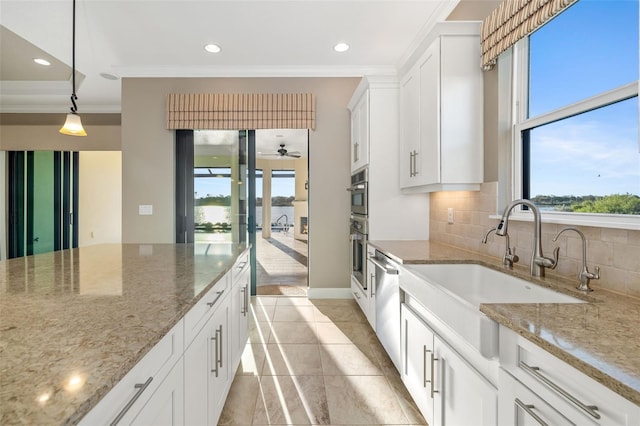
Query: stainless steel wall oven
{"x": 359, "y": 249}
{"x": 359, "y": 193}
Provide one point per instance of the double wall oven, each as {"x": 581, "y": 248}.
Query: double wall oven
{"x": 359, "y": 227}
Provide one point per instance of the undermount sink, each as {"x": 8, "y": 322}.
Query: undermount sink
{"x": 454, "y": 292}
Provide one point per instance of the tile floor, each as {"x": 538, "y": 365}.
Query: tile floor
{"x": 315, "y": 362}
{"x": 281, "y": 262}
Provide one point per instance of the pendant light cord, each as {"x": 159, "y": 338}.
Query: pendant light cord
{"x": 74, "y": 108}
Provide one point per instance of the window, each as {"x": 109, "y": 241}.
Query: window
{"x": 576, "y": 136}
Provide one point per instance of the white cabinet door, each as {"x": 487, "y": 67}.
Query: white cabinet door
{"x": 417, "y": 351}
{"x": 441, "y": 104}
{"x": 360, "y": 133}
{"x": 205, "y": 369}
{"x": 360, "y": 296}
{"x": 462, "y": 396}
{"x": 371, "y": 289}
{"x": 198, "y": 361}
{"x": 427, "y": 169}
{"x": 239, "y": 315}
{"x": 219, "y": 370}
{"x": 409, "y": 126}
{"x": 166, "y": 405}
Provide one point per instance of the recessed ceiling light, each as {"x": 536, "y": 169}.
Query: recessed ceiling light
{"x": 341, "y": 47}
{"x": 108, "y": 76}
{"x": 212, "y": 48}
{"x": 41, "y": 61}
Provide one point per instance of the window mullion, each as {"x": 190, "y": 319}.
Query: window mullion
{"x": 603, "y": 99}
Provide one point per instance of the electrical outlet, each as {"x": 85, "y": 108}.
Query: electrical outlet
{"x": 450, "y": 215}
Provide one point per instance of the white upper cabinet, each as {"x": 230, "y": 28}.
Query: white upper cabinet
{"x": 360, "y": 132}
{"x": 441, "y": 113}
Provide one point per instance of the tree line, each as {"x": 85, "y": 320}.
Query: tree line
{"x": 225, "y": 200}
{"x": 611, "y": 204}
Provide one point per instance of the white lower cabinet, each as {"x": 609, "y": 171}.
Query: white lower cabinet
{"x": 417, "y": 349}
{"x": 166, "y": 405}
{"x": 185, "y": 378}
{"x": 462, "y": 396}
{"x": 360, "y": 295}
{"x": 447, "y": 390}
{"x": 371, "y": 288}
{"x": 239, "y": 309}
{"x": 519, "y": 406}
{"x": 545, "y": 386}
{"x": 206, "y": 368}
{"x": 156, "y": 377}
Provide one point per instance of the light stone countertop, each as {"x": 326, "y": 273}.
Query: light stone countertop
{"x": 74, "y": 322}
{"x": 600, "y": 338}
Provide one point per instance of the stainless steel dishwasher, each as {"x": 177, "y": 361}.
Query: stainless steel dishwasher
{"x": 387, "y": 290}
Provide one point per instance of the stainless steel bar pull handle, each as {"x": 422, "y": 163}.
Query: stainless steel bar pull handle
{"x": 528, "y": 408}
{"x": 141, "y": 388}
{"x": 246, "y": 300}
{"x": 411, "y": 173}
{"x": 433, "y": 360}
{"x": 424, "y": 367}
{"x": 219, "y": 295}
{"x": 215, "y": 359}
{"x": 415, "y": 163}
{"x": 220, "y": 342}
{"x": 243, "y": 309}
{"x": 534, "y": 371}
{"x": 386, "y": 268}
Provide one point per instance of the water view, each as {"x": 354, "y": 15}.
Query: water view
{"x": 218, "y": 218}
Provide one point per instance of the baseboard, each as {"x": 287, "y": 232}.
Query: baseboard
{"x": 329, "y": 293}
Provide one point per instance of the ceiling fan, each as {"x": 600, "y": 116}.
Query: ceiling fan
{"x": 282, "y": 152}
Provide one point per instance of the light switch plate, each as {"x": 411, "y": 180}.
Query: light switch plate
{"x": 145, "y": 210}
{"x": 450, "y": 215}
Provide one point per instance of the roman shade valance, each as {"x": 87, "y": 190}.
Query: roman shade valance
{"x": 231, "y": 111}
{"x": 513, "y": 20}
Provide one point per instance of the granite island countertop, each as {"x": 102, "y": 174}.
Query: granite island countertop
{"x": 600, "y": 338}
{"x": 74, "y": 322}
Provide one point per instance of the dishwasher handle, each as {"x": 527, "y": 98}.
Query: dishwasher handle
{"x": 385, "y": 267}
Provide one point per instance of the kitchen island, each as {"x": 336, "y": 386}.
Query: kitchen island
{"x": 74, "y": 322}
{"x": 600, "y": 338}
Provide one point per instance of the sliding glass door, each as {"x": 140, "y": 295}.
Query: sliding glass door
{"x": 211, "y": 181}
{"x": 42, "y": 201}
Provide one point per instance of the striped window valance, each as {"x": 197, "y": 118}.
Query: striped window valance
{"x": 229, "y": 111}
{"x": 513, "y": 20}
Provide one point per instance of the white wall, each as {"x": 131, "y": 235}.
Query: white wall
{"x": 100, "y": 196}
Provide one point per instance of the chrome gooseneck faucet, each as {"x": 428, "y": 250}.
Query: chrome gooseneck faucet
{"x": 584, "y": 276}
{"x": 509, "y": 257}
{"x": 538, "y": 261}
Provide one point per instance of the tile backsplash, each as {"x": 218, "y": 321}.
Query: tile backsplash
{"x": 615, "y": 251}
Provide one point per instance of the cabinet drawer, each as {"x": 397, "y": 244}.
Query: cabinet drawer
{"x": 241, "y": 266}
{"x": 571, "y": 392}
{"x": 519, "y": 406}
{"x": 125, "y": 400}
{"x": 202, "y": 310}
{"x": 360, "y": 296}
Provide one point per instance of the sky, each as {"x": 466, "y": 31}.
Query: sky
{"x": 590, "y": 48}
{"x": 222, "y": 186}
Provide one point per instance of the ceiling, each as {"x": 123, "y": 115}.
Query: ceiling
{"x": 166, "y": 38}
{"x": 268, "y": 141}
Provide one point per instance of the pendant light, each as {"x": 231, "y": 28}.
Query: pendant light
{"x": 73, "y": 125}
